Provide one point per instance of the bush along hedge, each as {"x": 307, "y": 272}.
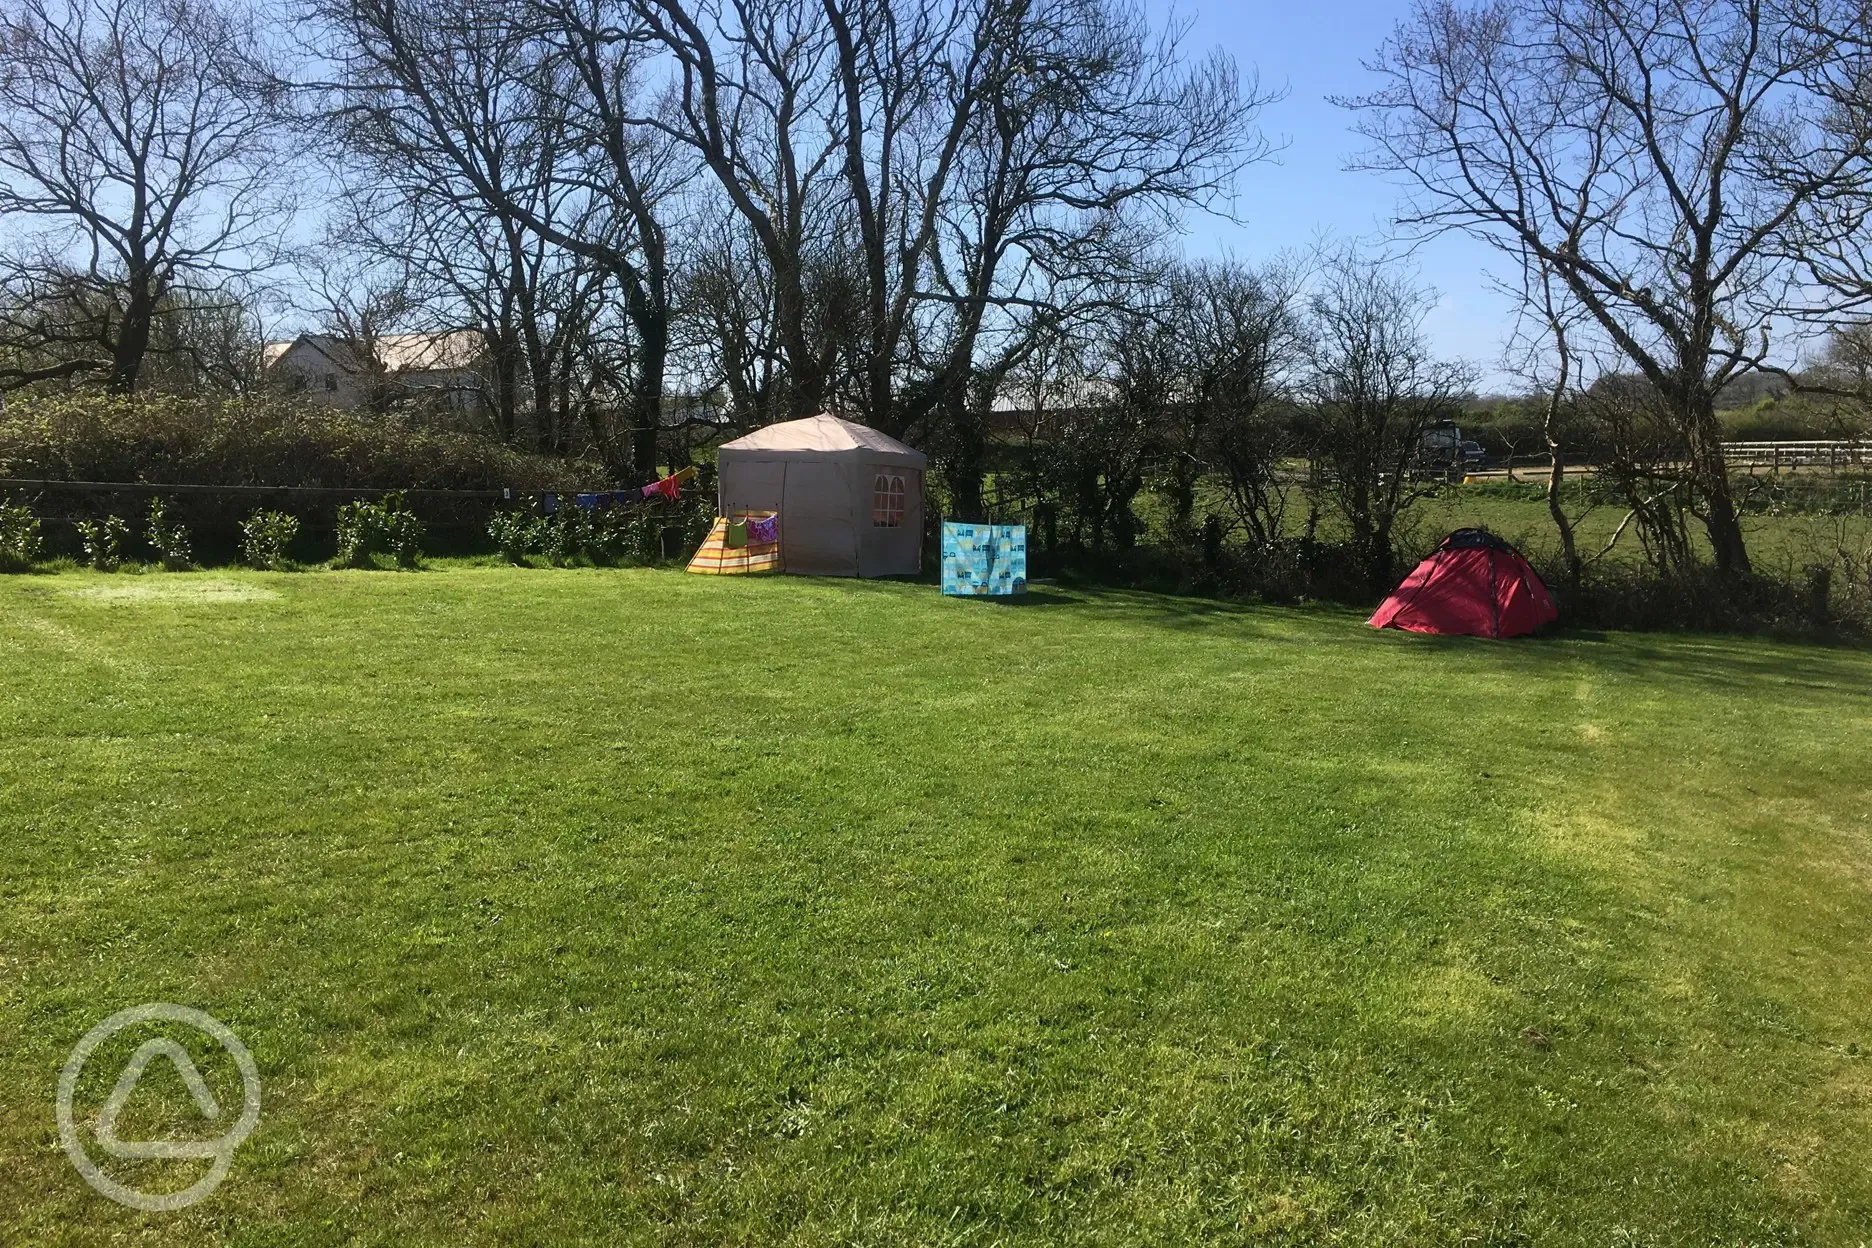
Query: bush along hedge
{"x": 368, "y": 532}
{"x": 385, "y": 527}
{"x": 512, "y": 535}
{"x": 258, "y": 440}
{"x": 605, "y": 535}
{"x": 103, "y": 541}
{"x": 20, "y": 543}
{"x": 264, "y": 440}
{"x": 264, "y": 538}
{"x": 169, "y": 539}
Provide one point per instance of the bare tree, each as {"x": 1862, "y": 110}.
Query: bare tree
{"x": 754, "y": 101}
{"x": 1113, "y": 380}
{"x": 1651, "y": 154}
{"x": 1089, "y": 134}
{"x": 1846, "y": 362}
{"x": 1372, "y": 388}
{"x": 1549, "y": 360}
{"x": 723, "y": 332}
{"x": 138, "y": 172}
{"x": 517, "y": 115}
{"x": 1832, "y": 238}
{"x": 1234, "y": 332}
{"x": 1240, "y": 333}
{"x": 909, "y": 80}
{"x": 974, "y": 161}
{"x": 1836, "y": 388}
{"x": 1642, "y": 466}
{"x": 539, "y": 308}
{"x": 360, "y": 301}
{"x": 1181, "y": 378}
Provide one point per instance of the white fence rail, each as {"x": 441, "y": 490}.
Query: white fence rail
{"x": 1778, "y": 455}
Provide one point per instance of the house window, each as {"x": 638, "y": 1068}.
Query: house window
{"x": 331, "y": 381}
{"x": 887, "y": 502}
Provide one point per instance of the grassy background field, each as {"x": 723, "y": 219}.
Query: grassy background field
{"x": 628, "y": 907}
{"x": 1783, "y": 543}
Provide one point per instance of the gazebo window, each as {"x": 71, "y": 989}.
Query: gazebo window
{"x": 887, "y": 501}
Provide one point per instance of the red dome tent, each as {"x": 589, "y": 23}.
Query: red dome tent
{"x": 1476, "y": 585}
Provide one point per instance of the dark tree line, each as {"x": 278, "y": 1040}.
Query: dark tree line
{"x": 1257, "y": 401}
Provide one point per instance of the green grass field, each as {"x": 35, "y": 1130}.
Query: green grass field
{"x": 597, "y": 907}
{"x": 1783, "y": 545}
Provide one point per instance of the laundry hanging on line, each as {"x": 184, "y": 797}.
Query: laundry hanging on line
{"x": 667, "y": 488}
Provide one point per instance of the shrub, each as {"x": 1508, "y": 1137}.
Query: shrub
{"x": 402, "y": 530}
{"x": 612, "y": 536}
{"x": 604, "y": 535}
{"x": 512, "y": 534}
{"x": 1624, "y": 596}
{"x": 169, "y": 539}
{"x": 561, "y": 536}
{"x": 383, "y": 527}
{"x": 265, "y": 536}
{"x": 103, "y": 541}
{"x": 20, "y": 544}
{"x": 353, "y": 535}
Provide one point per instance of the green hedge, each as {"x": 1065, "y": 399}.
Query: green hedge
{"x": 257, "y": 441}
{"x": 261, "y": 440}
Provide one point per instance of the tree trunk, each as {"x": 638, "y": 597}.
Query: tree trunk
{"x": 133, "y": 336}
{"x": 1711, "y": 474}
{"x": 539, "y": 366}
{"x": 649, "y": 316}
{"x": 1569, "y": 548}
{"x": 506, "y": 385}
{"x": 966, "y": 464}
{"x": 805, "y": 383}
{"x": 647, "y": 397}
{"x": 542, "y": 384}
{"x": 1378, "y": 568}
{"x": 1182, "y": 492}
{"x": 1556, "y": 471}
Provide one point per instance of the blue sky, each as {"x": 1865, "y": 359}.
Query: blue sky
{"x": 1313, "y": 50}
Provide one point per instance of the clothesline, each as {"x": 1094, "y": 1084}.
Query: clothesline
{"x": 669, "y": 488}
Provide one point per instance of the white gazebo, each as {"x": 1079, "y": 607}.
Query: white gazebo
{"x": 850, "y": 498}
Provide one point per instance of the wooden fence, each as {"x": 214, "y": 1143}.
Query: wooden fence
{"x": 1776, "y": 456}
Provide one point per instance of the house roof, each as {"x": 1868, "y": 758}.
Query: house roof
{"x": 397, "y": 353}
{"x": 1055, "y": 394}
{"x": 823, "y": 434}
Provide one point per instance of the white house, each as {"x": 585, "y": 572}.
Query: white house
{"x": 348, "y": 373}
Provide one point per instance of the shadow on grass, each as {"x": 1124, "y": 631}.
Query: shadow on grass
{"x": 1032, "y": 598}
{"x": 1688, "y": 660}
{"x": 1683, "y": 660}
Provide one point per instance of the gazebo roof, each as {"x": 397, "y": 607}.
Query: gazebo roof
{"x": 825, "y": 434}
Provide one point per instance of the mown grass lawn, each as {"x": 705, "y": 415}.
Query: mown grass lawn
{"x": 626, "y": 907}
